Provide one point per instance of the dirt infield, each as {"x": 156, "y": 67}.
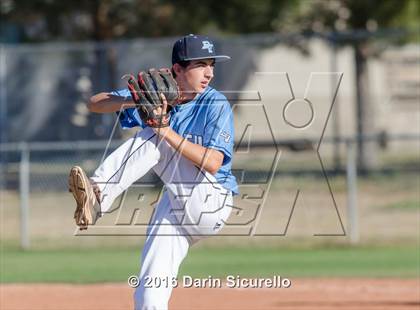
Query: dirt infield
{"x": 305, "y": 294}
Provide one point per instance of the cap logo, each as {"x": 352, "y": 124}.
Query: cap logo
{"x": 207, "y": 46}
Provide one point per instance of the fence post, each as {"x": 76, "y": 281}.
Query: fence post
{"x": 24, "y": 175}
{"x": 335, "y": 113}
{"x": 351, "y": 173}
{"x": 3, "y": 96}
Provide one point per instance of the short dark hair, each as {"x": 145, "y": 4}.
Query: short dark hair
{"x": 182, "y": 63}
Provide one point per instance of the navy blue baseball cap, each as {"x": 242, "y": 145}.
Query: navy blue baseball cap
{"x": 193, "y": 47}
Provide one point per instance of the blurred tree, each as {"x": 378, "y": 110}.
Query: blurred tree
{"x": 46, "y": 20}
{"x": 360, "y": 24}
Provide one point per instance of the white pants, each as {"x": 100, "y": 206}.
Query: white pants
{"x": 193, "y": 206}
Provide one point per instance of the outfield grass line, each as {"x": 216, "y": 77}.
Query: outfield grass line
{"x": 116, "y": 265}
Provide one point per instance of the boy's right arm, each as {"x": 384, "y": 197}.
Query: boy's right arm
{"x": 108, "y": 103}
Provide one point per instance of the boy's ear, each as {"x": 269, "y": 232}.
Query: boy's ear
{"x": 176, "y": 68}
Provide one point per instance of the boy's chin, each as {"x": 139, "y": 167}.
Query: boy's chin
{"x": 200, "y": 89}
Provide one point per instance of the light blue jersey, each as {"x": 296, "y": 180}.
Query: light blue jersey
{"x": 206, "y": 120}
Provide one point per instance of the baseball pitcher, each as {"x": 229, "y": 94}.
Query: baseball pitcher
{"x": 187, "y": 139}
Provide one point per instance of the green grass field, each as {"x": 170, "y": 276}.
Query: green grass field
{"x": 116, "y": 264}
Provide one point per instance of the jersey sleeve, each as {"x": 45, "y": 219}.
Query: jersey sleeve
{"x": 219, "y": 132}
{"x": 128, "y": 118}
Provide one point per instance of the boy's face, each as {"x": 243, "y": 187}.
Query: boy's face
{"x": 195, "y": 77}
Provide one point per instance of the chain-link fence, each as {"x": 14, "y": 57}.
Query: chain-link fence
{"x": 36, "y": 206}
